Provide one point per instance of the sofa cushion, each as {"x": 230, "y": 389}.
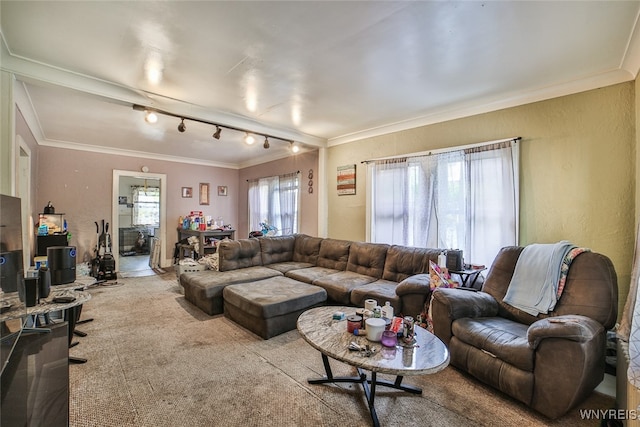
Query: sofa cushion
{"x": 499, "y": 337}
{"x": 334, "y": 254}
{"x": 367, "y": 258}
{"x": 204, "y": 288}
{"x": 339, "y": 285}
{"x": 273, "y": 297}
{"x": 403, "y": 261}
{"x": 235, "y": 254}
{"x": 276, "y": 249}
{"x": 381, "y": 291}
{"x": 284, "y": 267}
{"x": 308, "y": 275}
{"x": 306, "y": 249}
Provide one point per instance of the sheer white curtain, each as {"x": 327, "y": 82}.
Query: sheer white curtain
{"x": 462, "y": 199}
{"x": 493, "y": 200}
{"x": 274, "y": 200}
{"x": 146, "y": 205}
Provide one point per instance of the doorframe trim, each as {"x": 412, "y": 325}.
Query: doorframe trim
{"x": 115, "y": 220}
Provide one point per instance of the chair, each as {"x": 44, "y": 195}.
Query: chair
{"x": 550, "y": 362}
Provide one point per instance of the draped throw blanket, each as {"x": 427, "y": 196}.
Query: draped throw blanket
{"x": 534, "y": 285}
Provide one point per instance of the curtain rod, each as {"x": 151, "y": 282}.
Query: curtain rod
{"x": 284, "y": 174}
{"x": 444, "y": 150}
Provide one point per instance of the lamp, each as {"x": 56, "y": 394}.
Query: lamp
{"x": 181, "y": 126}
{"x": 266, "y": 143}
{"x": 249, "y": 139}
{"x": 150, "y": 117}
{"x": 217, "y": 133}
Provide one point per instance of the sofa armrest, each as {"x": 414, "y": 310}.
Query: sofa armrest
{"x": 416, "y": 284}
{"x": 449, "y": 304}
{"x": 570, "y": 327}
{"x": 461, "y": 303}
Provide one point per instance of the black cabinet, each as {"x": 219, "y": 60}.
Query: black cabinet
{"x": 43, "y": 242}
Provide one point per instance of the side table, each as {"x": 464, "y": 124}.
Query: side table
{"x": 468, "y": 275}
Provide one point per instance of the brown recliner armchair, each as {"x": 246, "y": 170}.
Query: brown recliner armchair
{"x": 550, "y": 362}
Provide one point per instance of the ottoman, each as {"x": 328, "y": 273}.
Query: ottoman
{"x": 271, "y": 306}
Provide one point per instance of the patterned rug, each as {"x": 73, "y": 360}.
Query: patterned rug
{"x": 156, "y": 360}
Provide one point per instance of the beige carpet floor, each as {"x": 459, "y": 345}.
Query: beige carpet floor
{"x": 156, "y": 360}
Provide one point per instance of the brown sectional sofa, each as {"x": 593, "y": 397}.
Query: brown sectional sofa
{"x": 265, "y": 283}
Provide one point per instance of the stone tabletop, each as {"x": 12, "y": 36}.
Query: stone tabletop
{"x": 331, "y": 338}
{"x": 46, "y": 305}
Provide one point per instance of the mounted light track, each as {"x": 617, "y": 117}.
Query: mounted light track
{"x": 182, "y": 127}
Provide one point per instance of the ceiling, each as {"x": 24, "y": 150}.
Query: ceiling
{"x": 318, "y": 73}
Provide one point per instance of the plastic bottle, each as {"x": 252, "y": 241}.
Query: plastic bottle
{"x": 387, "y": 310}
{"x": 442, "y": 260}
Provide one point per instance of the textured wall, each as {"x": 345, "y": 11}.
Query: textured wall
{"x": 79, "y": 184}
{"x": 577, "y": 169}
{"x": 308, "y": 201}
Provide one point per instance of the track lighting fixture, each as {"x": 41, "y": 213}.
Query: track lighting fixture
{"x": 217, "y": 133}
{"x": 150, "y": 117}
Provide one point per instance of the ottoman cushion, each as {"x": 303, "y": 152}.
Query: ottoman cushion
{"x": 273, "y": 297}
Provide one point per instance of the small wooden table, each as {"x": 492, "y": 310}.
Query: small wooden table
{"x": 330, "y": 337}
{"x": 202, "y": 236}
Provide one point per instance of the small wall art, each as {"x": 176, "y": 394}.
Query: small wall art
{"x": 346, "y": 180}
{"x": 204, "y": 193}
{"x": 187, "y": 192}
{"x": 222, "y": 190}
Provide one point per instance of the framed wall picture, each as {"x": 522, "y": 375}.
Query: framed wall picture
{"x": 222, "y": 190}
{"x": 204, "y": 193}
{"x": 187, "y": 192}
{"x": 346, "y": 180}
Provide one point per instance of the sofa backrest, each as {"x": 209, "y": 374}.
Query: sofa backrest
{"x": 591, "y": 288}
{"x": 405, "y": 261}
{"x": 242, "y": 253}
{"x": 334, "y": 254}
{"x": 367, "y": 258}
{"x": 277, "y": 249}
{"x": 306, "y": 249}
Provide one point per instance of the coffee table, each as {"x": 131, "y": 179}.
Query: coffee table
{"x": 330, "y": 337}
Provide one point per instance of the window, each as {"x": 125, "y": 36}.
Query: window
{"x": 464, "y": 199}
{"x": 146, "y": 206}
{"x": 274, "y": 200}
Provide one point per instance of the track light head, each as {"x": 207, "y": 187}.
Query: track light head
{"x": 150, "y": 117}
{"x": 217, "y": 133}
{"x": 181, "y": 126}
{"x": 294, "y": 147}
{"x": 266, "y": 143}
{"x": 249, "y": 139}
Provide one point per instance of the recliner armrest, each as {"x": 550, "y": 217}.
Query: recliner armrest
{"x": 416, "y": 284}
{"x": 461, "y": 303}
{"x": 571, "y": 327}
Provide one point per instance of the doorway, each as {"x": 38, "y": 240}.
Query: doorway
{"x": 138, "y": 218}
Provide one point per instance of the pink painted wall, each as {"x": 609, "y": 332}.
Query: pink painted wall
{"x": 303, "y": 162}
{"x": 79, "y": 184}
